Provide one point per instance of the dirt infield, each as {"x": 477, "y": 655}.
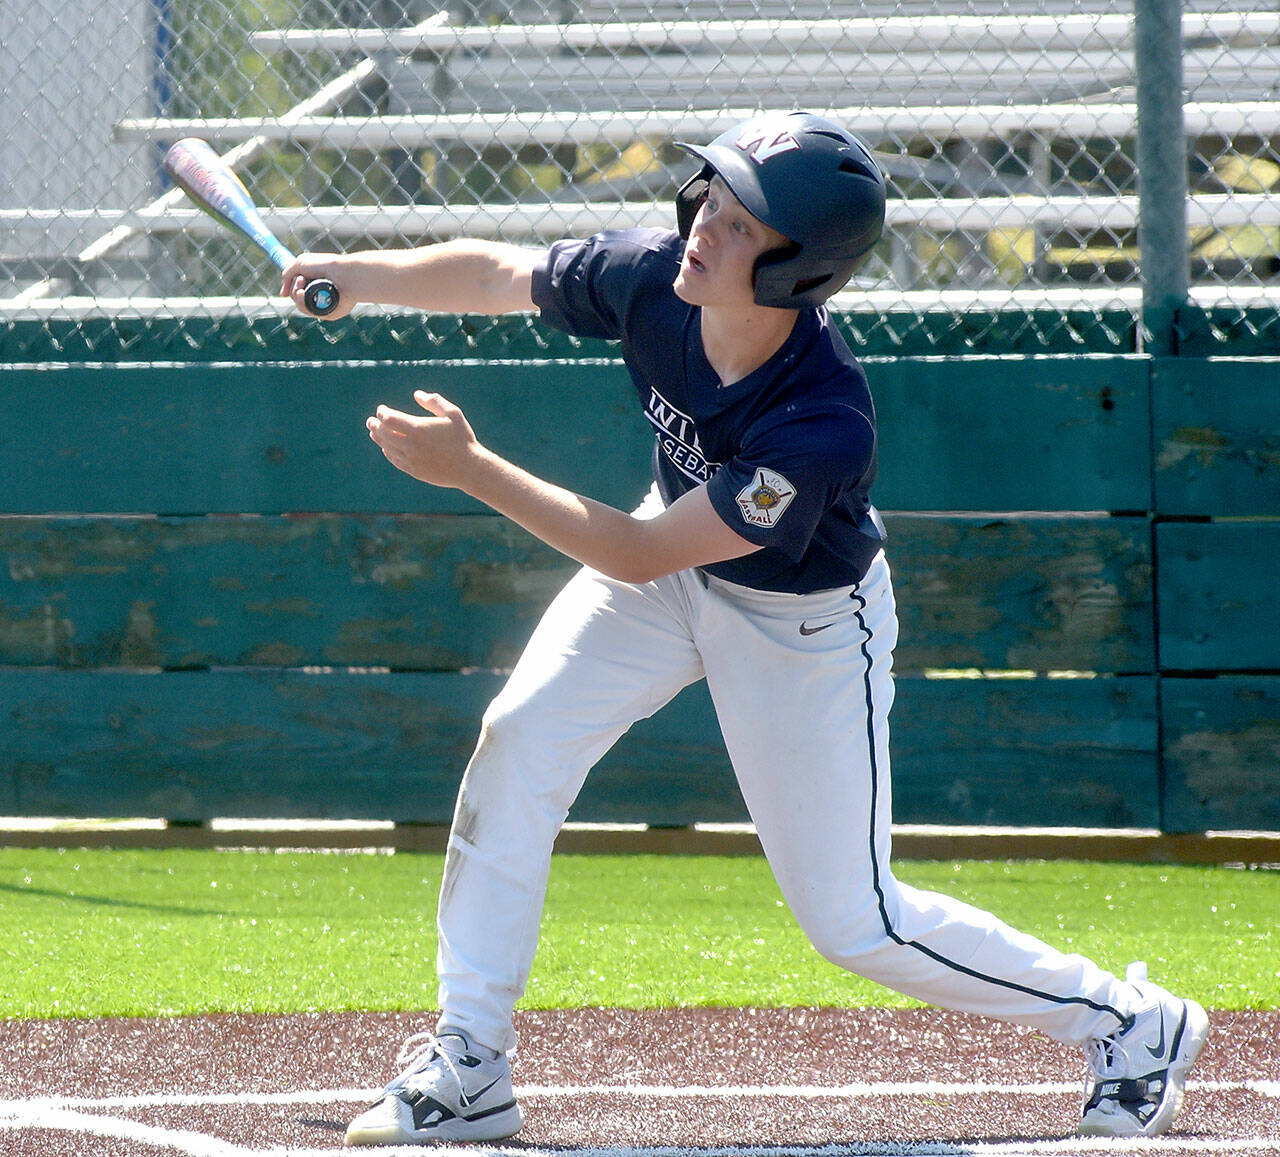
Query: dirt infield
{"x": 863, "y": 1082}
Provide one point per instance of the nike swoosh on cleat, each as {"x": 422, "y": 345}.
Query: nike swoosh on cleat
{"x": 467, "y": 1102}
{"x": 805, "y": 629}
{"x": 1158, "y": 1051}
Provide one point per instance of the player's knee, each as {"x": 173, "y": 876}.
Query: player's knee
{"x": 513, "y": 762}
{"x": 847, "y": 935}
{"x": 496, "y": 756}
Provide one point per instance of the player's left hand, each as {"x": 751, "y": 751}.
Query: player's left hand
{"x": 437, "y": 448}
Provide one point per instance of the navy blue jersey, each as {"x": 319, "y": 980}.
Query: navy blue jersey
{"x": 787, "y": 453}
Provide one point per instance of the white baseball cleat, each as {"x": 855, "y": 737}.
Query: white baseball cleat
{"x": 1138, "y": 1072}
{"x": 447, "y": 1093}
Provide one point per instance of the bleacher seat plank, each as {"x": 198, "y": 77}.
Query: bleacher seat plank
{"x": 1026, "y": 752}
{"x": 545, "y": 221}
{"x": 1216, "y": 425}
{"x": 1053, "y": 121}
{"x": 1034, "y": 33}
{"x": 407, "y": 592}
{"x": 390, "y": 591}
{"x": 349, "y": 745}
{"x": 1022, "y": 592}
{"x": 1222, "y": 753}
{"x": 290, "y": 438}
{"x": 1047, "y": 434}
{"x": 1041, "y": 433}
{"x": 1218, "y": 582}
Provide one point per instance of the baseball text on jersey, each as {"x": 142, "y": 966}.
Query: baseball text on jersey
{"x": 678, "y": 438}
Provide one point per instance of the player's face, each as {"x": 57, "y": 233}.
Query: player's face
{"x": 724, "y": 242}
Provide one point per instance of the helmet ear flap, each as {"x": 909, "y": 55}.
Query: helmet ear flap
{"x": 773, "y": 277}
{"x": 690, "y": 197}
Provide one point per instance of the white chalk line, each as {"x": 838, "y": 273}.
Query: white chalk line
{"x": 200, "y": 1145}
{"x": 863, "y": 1090}
{"x": 120, "y": 1129}
{"x": 72, "y": 1114}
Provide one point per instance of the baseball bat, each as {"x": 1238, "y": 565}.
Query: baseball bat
{"x": 210, "y": 183}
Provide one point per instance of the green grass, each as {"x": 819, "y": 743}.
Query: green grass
{"x": 88, "y": 933}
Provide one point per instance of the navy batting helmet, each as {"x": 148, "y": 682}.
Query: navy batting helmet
{"x": 809, "y": 179}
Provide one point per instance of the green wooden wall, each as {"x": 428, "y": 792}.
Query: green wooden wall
{"x": 217, "y": 599}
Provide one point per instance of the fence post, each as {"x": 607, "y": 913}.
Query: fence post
{"x": 1162, "y": 172}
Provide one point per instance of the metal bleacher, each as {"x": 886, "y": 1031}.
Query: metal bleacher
{"x": 946, "y": 100}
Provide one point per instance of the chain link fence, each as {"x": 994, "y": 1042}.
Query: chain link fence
{"x": 1007, "y": 131}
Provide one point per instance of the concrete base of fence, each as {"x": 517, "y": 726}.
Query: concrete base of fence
{"x": 910, "y": 842}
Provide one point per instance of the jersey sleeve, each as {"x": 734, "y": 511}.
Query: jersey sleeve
{"x": 581, "y": 286}
{"x": 787, "y": 476}
{"x": 601, "y": 287}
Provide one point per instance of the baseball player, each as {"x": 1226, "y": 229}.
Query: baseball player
{"x": 757, "y": 563}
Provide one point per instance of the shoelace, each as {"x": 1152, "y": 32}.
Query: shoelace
{"x": 419, "y": 1050}
{"x": 1100, "y": 1053}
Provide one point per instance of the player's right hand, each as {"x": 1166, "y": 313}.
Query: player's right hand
{"x": 308, "y": 267}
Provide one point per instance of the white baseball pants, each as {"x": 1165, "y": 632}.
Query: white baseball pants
{"x": 805, "y": 721}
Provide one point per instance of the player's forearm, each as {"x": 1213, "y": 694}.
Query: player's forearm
{"x": 596, "y": 535}
{"x": 441, "y": 449}
{"x": 453, "y": 277}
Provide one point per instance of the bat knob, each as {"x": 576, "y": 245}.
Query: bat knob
{"x": 321, "y": 296}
